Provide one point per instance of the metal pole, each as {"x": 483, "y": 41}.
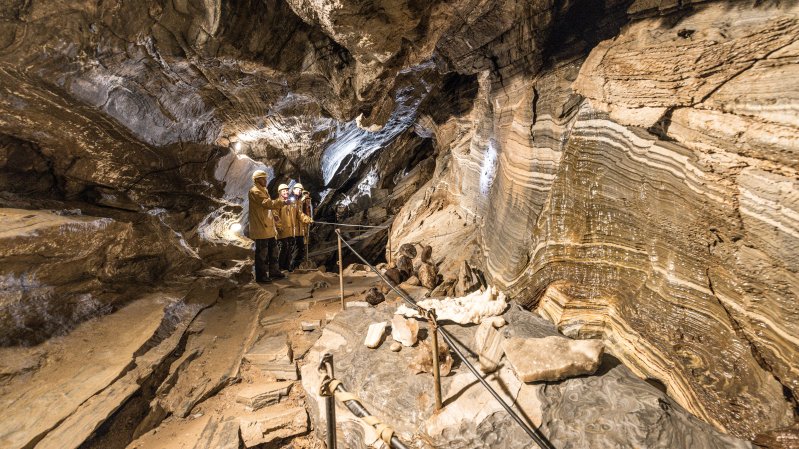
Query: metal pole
{"x": 436, "y": 368}
{"x": 340, "y": 269}
{"x": 330, "y": 405}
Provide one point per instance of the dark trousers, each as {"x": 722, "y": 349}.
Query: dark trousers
{"x": 298, "y": 255}
{"x": 266, "y": 253}
{"x": 284, "y": 260}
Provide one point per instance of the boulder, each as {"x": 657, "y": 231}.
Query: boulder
{"x": 552, "y": 358}
{"x": 629, "y": 411}
{"x": 404, "y": 330}
{"x": 375, "y": 334}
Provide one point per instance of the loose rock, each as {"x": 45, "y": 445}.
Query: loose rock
{"x": 552, "y": 358}
{"x": 488, "y": 344}
{"x": 256, "y": 397}
{"x": 467, "y": 280}
{"x": 309, "y": 326}
{"x": 374, "y": 335}
{"x": 405, "y": 266}
{"x": 393, "y": 275}
{"x": 426, "y": 254}
{"x": 374, "y": 296}
{"x": 428, "y": 276}
{"x": 395, "y": 347}
{"x": 407, "y": 250}
{"x": 423, "y": 360}
{"x": 413, "y": 281}
{"x": 271, "y": 424}
{"x": 472, "y": 308}
{"x": 404, "y": 330}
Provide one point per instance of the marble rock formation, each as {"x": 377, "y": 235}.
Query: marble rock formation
{"x": 630, "y": 411}
{"x": 375, "y": 334}
{"x": 404, "y": 330}
{"x": 472, "y": 308}
{"x": 423, "y": 360}
{"x": 628, "y": 168}
{"x": 640, "y": 186}
{"x": 552, "y": 358}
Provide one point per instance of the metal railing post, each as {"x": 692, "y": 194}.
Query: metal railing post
{"x": 533, "y": 432}
{"x": 340, "y": 269}
{"x": 330, "y": 400}
{"x": 436, "y": 367}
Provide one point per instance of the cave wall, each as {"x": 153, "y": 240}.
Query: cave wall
{"x": 645, "y": 194}
{"x": 626, "y": 167}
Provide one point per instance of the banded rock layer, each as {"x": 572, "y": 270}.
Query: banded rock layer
{"x": 647, "y": 195}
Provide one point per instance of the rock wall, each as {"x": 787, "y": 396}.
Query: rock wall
{"x": 645, "y": 194}
{"x": 628, "y": 168}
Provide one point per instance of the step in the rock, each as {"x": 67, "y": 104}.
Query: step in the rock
{"x": 353, "y": 304}
{"x": 311, "y": 325}
{"x": 258, "y": 396}
{"x": 294, "y": 294}
{"x": 219, "y": 435}
{"x": 275, "y": 320}
{"x": 302, "y": 306}
{"x": 273, "y": 355}
{"x": 272, "y": 423}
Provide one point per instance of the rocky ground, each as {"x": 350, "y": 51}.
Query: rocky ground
{"x": 216, "y": 365}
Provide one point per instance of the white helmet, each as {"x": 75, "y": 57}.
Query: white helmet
{"x": 282, "y": 187}
{"x": 259, "y": 174}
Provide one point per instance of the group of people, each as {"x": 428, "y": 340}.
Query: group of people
{"x": 278, "y": 226}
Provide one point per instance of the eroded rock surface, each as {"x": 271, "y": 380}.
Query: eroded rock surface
{"x": 642, "y": 416}
{"x": 628, "y": 168}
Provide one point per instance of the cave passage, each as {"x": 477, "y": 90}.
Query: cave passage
{"x": 598, "y": 199}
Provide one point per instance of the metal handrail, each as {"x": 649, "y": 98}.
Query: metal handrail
{"x": 532, "y": 432}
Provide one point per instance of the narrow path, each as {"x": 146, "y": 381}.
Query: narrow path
{"x": 264, "y": 405}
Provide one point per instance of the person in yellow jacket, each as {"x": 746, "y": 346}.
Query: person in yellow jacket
{"x": 263, "y": 230}
{"x": 303, "y": 197}
{"x": 292, "y": 222}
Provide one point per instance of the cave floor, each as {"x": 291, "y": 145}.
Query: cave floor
{"x": 163, "y": 372}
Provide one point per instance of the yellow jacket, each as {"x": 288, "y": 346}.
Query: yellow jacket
{"x": 262, "y": 210}
{"x": 293, "y": 221}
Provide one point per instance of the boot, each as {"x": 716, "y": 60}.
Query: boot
{"x": 275, "y": 273}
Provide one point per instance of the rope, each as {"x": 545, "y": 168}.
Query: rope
{"x": 532, "y": 432}
{"x": 352, "y": 225}
{"x": 384, "y": 431}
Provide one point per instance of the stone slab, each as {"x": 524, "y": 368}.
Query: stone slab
{"x": 270, "y": 424}
{"x": 258, "y": 396}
